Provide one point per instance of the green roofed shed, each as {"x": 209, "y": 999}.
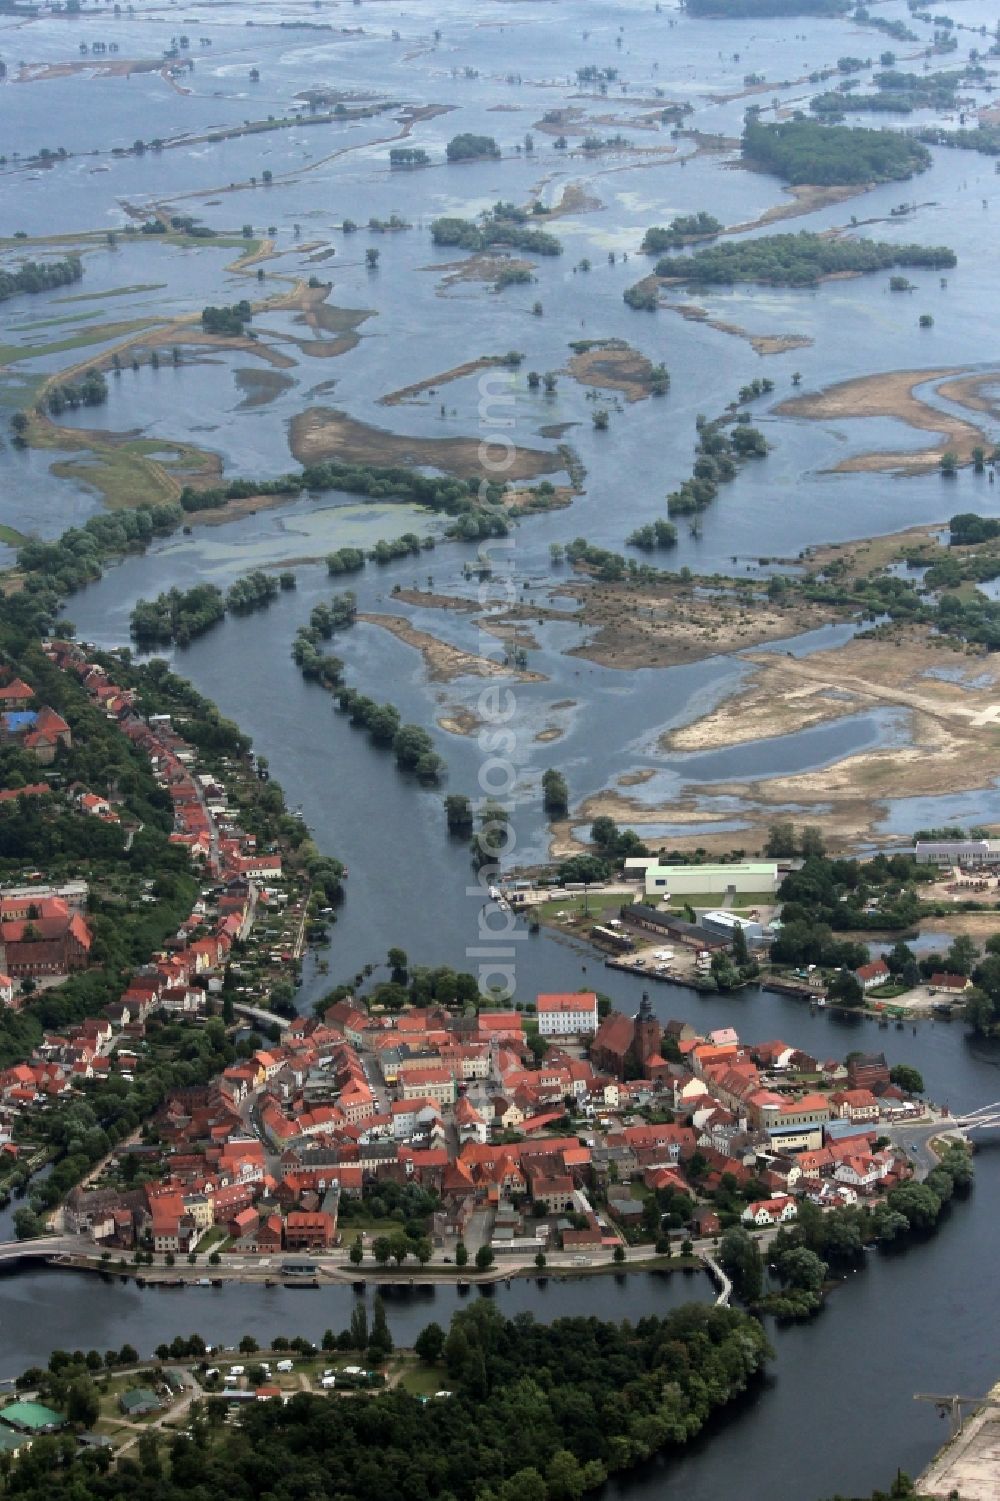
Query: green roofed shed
{"x": 32, "y": 1417}
{"x": 138, "y": 1401}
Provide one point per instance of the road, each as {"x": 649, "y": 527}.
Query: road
{"x": 915, "y": 1140}
{"x": 52, "y": 1245}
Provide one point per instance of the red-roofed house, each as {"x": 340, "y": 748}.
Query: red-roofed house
{"x": 951, "y": 984}
{"x": 567, "y": 1015}
{"x": 870, "y": 975}
{"x": 855, "y": 1105}
{"x": 769, "y": 1212}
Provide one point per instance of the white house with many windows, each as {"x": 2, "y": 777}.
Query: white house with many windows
{"x": 568, "y": 1015}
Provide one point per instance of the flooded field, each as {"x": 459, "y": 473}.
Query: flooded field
{"x": 267, "y": 131}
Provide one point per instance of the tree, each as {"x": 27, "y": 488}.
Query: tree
{"x": 802, "y": 1268}
{"x": 555, "y": 793}
{"x": 357, "y": 1252}
{"x": 540, "y": 1260}
{"x": 461, "y": 1254}
{"x": 400, "y": 1247}
{"x": 812, "y": 841}
{"x": 83, "y": 1403}
{"x": 359, "y": 1327}
{"x": 899, "y": 957}
{"x": 382, "y": 1249}
{"x": 846, "y": 988}
{"x": 248, "y": 1345}
{"x": 524, "y": 1485}
{"x": 484, "y": 1259}
{"x": 371, "y": 257}
{"x": 424, "y": 1250}
{"x": 429, "y": 1343}
{"x": 398, "y": 961}
{"x": 907, "y": 1078}
{"x": 618, "y": 1255}
{"x": 962, "y": 955}
{"x": 780, "y": 841}
{"x": 466, "y": 146}
{"x": 564, "y": 1477}
{"x": 458, "y": 811}
{"x": 456, "y": 1351}
{"x": 740, "y": 1259}
{"x": 27, "y": 1224}
{"x": 919, "y": 1205}
{"x": 380, "y": 1339}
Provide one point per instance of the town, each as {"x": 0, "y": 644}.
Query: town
{"x": 386, "y": 1133}
{"x": 427, "y": 1137}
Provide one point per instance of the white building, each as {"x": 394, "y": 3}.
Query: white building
{"x": 568, "y": 1015}
{"x": 758, "y": 878}
{"x": 957, "y": 851}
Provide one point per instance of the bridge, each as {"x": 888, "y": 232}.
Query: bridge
{"x": 45, "y": 1246}
{"x": 986, "y": 1116}
{"x": 258, "y": 1014}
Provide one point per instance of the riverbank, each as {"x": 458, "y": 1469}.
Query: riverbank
{"x": 893, "y": 394}
{"x": 327, "y": 1271}
{"x": 968, "y": 1465}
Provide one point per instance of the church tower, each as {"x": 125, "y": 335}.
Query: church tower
{"x": 646, "y": 1034}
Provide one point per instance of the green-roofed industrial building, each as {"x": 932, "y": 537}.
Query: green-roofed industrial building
{"x": 138, "y": 1401}
{"x": 32, "y": 1417}
{"x": 758, "y": 878}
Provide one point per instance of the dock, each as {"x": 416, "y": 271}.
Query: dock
{"x": 969, "y": 1463}
{"x": 670, "y": 977}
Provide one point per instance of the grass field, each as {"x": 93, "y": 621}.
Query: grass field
{"x": 576, "y": 905}
{"x": 27, "y": 328}
{"x": 97, "y": 333}
{"x": 139, "y": 286}
{"x": 366, "y": 1224}
{"x": 418, "y": 1379}
{"x": 124, "y": 474}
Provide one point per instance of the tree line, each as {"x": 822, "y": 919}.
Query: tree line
{"x": 805, "y": 151}
{"x": 538, "y": 1413}
{"x": 800, "y": 259}
{"x": 40, "y": 276}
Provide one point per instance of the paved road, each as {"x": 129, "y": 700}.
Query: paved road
{"x": 915, "y": 1141}
{"x": 53, "y": 1245}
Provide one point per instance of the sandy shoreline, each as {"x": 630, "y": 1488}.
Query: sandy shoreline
{"x": 893, "y": 394}
{"x": 320, "y": 433}
{"x": 665, "y": 625}
{"x": 760, "y": 343}
{"x": 612, "y": 365}
{"x": 951, "y": 744}
{"x": 444, "y": 661}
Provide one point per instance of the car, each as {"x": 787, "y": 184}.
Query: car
{"x": 442, "y": 1394}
